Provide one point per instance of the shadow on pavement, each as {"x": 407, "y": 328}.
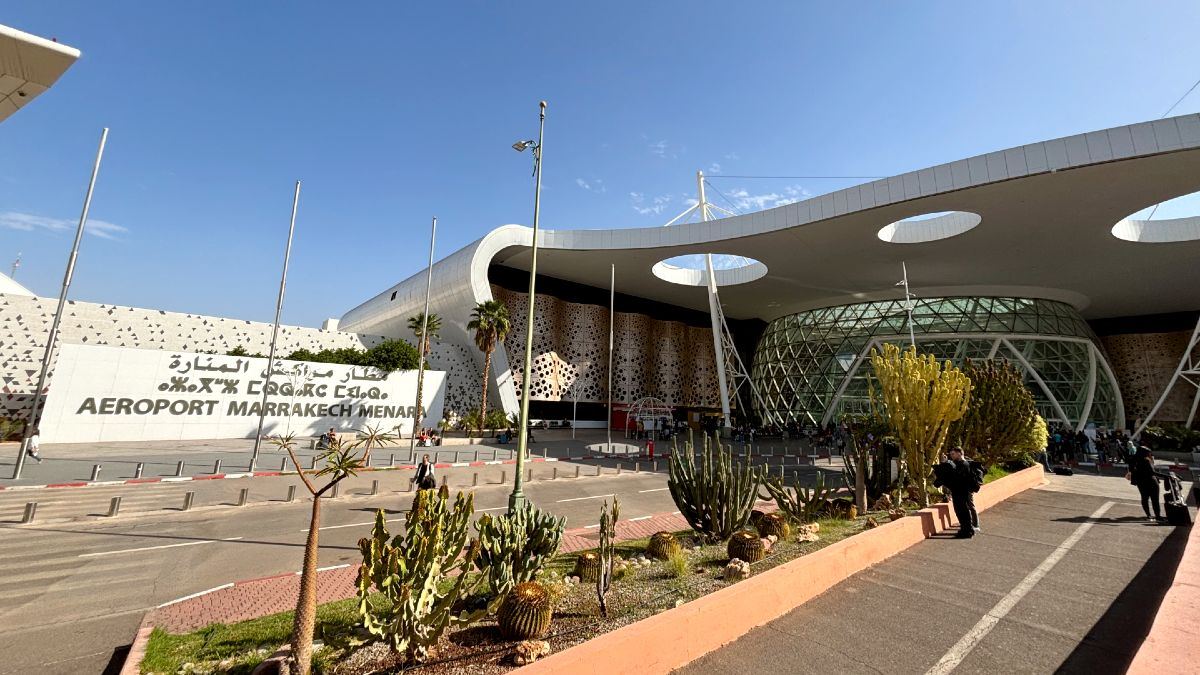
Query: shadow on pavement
{"x": 1110, "y": 645}
{"x": 117, "y": 660}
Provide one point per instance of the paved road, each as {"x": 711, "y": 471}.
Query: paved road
{"x": 1062, "y": 579}
{"x": 74, "y": 593}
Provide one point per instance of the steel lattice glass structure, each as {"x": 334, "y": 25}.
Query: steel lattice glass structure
{"x": 811, "y": 367}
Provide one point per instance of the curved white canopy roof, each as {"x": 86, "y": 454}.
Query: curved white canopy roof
{"x": 29, "y": 65}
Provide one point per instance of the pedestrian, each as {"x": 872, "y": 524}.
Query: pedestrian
{"x": 425, "y": 479}
{"x": 1142, "y": 475}
{"x": 963, "y": 479}
{"x": 34, "y": 446}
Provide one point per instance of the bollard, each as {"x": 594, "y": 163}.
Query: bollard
{"x": 217, "y": 466}
{"x": 334, "y": 492}
{"x": 179, "y": 468}
{"x": 137, "y": 472}
{"x": 445, "y": 480}
{"x": 637, "y": 467}
{"x": 476, "y": 456}
{"x": 312, "y": 463}
{"x": 577, "y": 471}
{"x": 114, "y": 506}
{"x": 503, "y": 477}
{"x": 291, "y": 493}
{"x": 781, "y": 471}
{"x": 283, "y": 465}
{"x": 374, "y": 487}
{"x": 529, "y": 475}
{"x": 435, "y": 457}
{"x": 554, "y": 474}
{"x": 392, "y": 459}
{"x": 598, "y": 470}
{"x": 618, "y": 468}
{"x": 243, "y": 495}
{"x": 543, "y": 453}
{"x": 96, "y": 471}
{"x": 30, "y": 512}
{"x": 187, "y": 500}
{"x": 475, "y": 480}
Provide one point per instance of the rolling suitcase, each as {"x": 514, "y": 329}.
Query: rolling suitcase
{"x": 1176, "y": 510}
{"x": 1063, "y": 471}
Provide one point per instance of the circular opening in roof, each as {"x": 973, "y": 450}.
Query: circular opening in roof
{"x": 1171, "y": 221}
{"x": 691, "y": 270}
{"x": 929, "y": 227}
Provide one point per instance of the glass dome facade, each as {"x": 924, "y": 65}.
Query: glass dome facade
{"x": 811, "y": 367}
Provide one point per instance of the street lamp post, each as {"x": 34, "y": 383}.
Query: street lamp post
{"x": 517, "y": 499}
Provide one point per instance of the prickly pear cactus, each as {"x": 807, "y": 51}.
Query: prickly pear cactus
{"x": 774, "y": 524}
{"x": 526, "y": 611}
{"x": 747, "y": 546}
{"x": 662, "y": 546}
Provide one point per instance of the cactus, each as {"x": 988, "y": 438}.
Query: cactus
{"x": 587, "y": 567}
{"x": 746, "y": 546}
{"x": 922, "y": 398}
{"x": 407, "y": 586}
{"x": 799, "y": 504}
{"x": 1000, "y": 416}
{"x": 607, "y": 551}
{"x": 514, "y": 547}
{"x": 662, "y": 546}
{"x": 525, "y": 612}
{"x": 716, "y": 497}
{"x": 774, "y": 523}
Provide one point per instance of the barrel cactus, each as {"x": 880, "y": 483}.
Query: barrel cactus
{"x": 774, "y": 523}
{"x": 587, "y": 567}
{"x": 525, "y": 612}
{"x": 747, "y": 546}
{"x": 662, "y": 546}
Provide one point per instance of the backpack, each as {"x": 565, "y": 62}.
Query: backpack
{"x": 976, "y": 476}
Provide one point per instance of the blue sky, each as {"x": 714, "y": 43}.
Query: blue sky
{"x": 391, "y": 113}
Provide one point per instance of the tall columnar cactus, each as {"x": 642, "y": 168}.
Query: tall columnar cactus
{"x": 526, "y": 611}
{"x": 799, "y": 503}
{"x": 607, "y": 551}
{"x": 514, "y": 547}
{"x": 417, "y": 576}
{"x": 662, "y": 546}
{"x": 1000, "y": 417}
{"x": 922, "y": 397}
{"x": 746, "y": 546}
{"x": 717, "y": 496}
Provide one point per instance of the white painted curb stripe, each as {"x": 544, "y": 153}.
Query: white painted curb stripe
{"x": 968, "y": 642}
{"x": 196, "y": 595}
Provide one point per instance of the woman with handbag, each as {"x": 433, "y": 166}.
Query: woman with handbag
{"x": 1142, "y": 475}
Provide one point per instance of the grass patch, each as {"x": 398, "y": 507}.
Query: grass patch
{"x": 995, "y": 473}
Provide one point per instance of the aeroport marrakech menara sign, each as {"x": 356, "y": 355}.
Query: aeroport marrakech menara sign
{"x": 101, "y": 393}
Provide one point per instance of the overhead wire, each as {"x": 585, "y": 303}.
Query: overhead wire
{"x": 1173, "y": 105}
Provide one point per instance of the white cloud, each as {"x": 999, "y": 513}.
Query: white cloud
{"x": 653, "y": 206}
{"x": 732, "y": 156}
{"x": 744, "y": 200}
{"x": 28, "y": 222}
{"x": 661, "y": 149}
{"x": 595, "y": 185}
{"x": 714, "y": 168}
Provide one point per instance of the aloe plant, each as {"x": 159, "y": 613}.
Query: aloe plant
{"x": 799, "y": 503}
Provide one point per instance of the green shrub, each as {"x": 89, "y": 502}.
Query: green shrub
{"x": 678, "y": 565}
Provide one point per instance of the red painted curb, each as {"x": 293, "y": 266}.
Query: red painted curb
{"x": 267, "y": 473}
{"x": 66, "y": 485}
{"x": 138, "y": 481}
{"x": 215, "y": 476}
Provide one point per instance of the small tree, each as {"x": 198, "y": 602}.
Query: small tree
{"x": 921, "y": 398}
{"x": 1000, "y": 416}
{"x": 491, "y": 323}
{"x": 341, "y": 462}
{"x": 392, "y": 355}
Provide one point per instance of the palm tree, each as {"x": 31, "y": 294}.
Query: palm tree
{"x": 424, "y": 331}
{"x": 341, "y": 462}
{"x": 491, "y": 324}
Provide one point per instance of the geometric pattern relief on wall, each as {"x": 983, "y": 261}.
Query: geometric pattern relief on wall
{"x": 1143, "y": 364}
{"x": 666, "y": 359}
{"x": 25, "y": 325}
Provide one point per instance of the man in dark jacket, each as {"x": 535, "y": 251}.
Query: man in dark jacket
{"x": 957, "y": 475}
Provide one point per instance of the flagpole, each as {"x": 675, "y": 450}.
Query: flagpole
{"x": 412, "y": 441}
{"x": 612, "y": 296}
{"x": 908, "y": 305}
{"x": 287, "y": 255}
{"x": 62, "y": 301}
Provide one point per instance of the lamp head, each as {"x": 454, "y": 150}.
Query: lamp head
{"x": 520, "y": 146}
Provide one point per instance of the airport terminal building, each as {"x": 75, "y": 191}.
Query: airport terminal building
{"x": 1027, "y": 254}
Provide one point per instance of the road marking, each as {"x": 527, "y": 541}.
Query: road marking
{"x": 154, "y": 548}
{"x": 968, "y": 642}
{"x": 591, "y": 527}
{"x": 196, "y": 595}
{"x": 325, "y": 569}
{"x": 576, "y": 499}
{"x": 634, "y": 520}
{"x": 338, "y": 527}
{"x": 653, "y": 490}
{"x": 494, "y": 508}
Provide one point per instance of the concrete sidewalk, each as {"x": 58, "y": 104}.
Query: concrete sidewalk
{"x": 1065, "y": 578}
